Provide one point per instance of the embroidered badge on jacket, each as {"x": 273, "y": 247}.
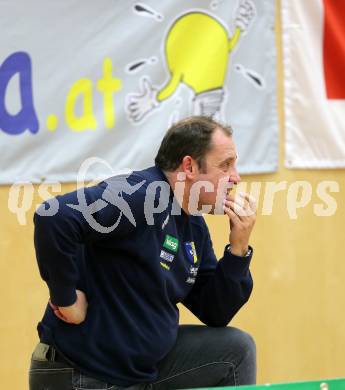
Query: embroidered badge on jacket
{"x": 191, "y": 252}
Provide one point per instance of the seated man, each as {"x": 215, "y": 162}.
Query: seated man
{"x": 117, "y": 266}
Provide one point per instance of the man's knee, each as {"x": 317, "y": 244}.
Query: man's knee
{"x": 241, "y": 341}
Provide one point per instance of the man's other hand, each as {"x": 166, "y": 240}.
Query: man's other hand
{"x": 74, "y": 314}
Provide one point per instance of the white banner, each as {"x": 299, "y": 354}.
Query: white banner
{"x": 314, "y": 68}
{"x": 106, "y": 79}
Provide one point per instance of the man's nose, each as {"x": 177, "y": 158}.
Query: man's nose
{"x": 234, "y": 177}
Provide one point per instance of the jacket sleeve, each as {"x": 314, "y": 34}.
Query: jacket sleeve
{"x": 56, "y": 238}
{"x": 221, "y": 288}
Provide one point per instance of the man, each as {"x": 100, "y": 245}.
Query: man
{"x": 115, "y": 280}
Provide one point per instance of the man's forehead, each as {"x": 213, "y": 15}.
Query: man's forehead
{"x": 223, "y": 143}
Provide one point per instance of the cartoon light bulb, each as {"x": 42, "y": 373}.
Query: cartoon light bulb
{"x": 197, "y": 53}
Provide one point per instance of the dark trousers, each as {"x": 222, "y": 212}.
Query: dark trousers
{"x": 202, "y": 357}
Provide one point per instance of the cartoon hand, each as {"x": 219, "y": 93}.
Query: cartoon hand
{"x": 139, "y": 105}
{"x": 245, "y": 14}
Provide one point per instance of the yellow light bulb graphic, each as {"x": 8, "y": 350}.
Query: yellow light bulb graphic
{"x": 197, "y": 50}
{"x": 197, "y": 53}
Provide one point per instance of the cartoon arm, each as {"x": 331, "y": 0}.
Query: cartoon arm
{"x": 170, "y": 88}
{"x": 234, "y": 39}
{"x": 245, "y": 14}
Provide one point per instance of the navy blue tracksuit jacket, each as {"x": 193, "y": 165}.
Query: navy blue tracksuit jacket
{"x": 134, "y": 274}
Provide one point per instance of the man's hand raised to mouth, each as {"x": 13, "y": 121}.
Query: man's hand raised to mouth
{"x": 241, "y": 210}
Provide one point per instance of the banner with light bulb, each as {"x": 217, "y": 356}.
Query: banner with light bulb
{"x": 107, "y": 79}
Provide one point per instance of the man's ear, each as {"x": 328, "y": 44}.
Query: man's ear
{"x": 189, "y": 167}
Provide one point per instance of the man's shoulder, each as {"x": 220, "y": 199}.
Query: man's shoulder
{"x": 150, "y": 175}
{"x": 140, "y": 191}
{"x": 130, "y": 178}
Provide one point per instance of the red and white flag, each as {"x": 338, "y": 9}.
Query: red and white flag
{"x": 314, "y": 71}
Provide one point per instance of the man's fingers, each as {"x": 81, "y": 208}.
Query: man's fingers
{"x": 236, "y": 208}
{"x": 239, "y": 200}
{"x": 251, "y": 201}
{"x": 63, "y": 318}
{"x": 234, "y": 218}
{"x": 58, "y": 313}
{"x": 73, "y": 314}
{"x": 239, "y": 208}
{"x": 246, "y": 196}
{"x": 60, "y": 316}
{"x": 240, "y": 203}
{"x": 54, "y": 307}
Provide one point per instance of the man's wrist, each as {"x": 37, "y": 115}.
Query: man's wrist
{"x": 240, "y": 252}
